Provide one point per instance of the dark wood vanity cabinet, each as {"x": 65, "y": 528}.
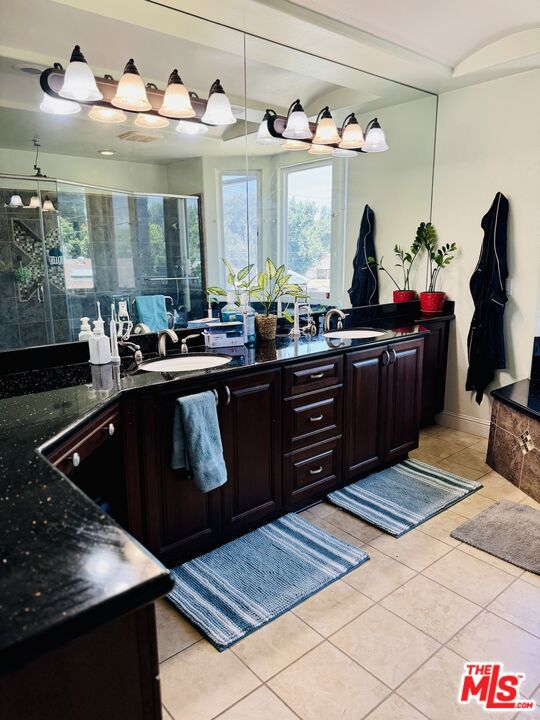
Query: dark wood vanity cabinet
{"x": 403, "y": 384}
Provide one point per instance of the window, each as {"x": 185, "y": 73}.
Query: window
{"x": 307, "y": 226}
{"x": 240, "y": 217}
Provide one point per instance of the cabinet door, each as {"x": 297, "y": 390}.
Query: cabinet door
{"x": 434, "y": 370}
{"x": 250, "y": 412}
{"x": 364, "y": 411}
{"x": 404, "y": 386}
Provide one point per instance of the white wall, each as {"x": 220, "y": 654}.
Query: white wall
{"x": 488, "y": 139}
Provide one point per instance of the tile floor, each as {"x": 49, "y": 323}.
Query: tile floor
{"x": 388, "y": 641}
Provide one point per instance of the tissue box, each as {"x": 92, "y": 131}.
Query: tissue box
{"x": 225, "y": 334}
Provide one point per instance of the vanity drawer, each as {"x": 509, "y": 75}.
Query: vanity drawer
{"x": 312, "y": 417}
{"x": 311, "y": 472}
{"x": 307, "y": 376}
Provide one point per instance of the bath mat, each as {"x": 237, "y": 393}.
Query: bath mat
{"x": 230, "y": 592}
{"x": 509, "y": 531}
{"x": 403, "y": 496}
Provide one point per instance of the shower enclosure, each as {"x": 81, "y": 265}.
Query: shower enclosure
{"x": 64, "y": 246}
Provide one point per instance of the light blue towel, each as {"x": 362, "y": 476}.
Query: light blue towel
{"x": 197, "y": 441}
{"x": 152, "y": 311}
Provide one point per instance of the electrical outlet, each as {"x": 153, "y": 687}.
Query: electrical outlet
{"x": 122, "y": 308}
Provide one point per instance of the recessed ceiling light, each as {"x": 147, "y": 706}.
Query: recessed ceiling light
{"x": 106, "y": 152}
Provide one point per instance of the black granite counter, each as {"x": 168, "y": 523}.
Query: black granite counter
{"x": 66, "y": 566}
{"x": 523, "y": 395}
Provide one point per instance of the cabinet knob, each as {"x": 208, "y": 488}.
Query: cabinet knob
{"x": 316, "y": 471}
{"x": 76, "y": 459}
{"x": 111, "y": 428}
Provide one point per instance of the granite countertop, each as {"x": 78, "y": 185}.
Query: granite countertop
{"x": 65, "y": 565}
{"x": 523, "y": 395}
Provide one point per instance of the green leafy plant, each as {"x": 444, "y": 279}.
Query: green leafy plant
{"x": 405, "y": 258}
{"x": 240, "y": 282}
{"x": 23, "y": 274}
{"x": 438, "y": 257}
{"x": 273, "y": 284}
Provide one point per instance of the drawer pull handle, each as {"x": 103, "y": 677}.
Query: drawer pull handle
{"x": 316, "y": 419}
{"x": 76, "y": 459}
{"x": 317, "y": 376}
{"x": 317, "y": 471}
{"x": 110, "y": 428}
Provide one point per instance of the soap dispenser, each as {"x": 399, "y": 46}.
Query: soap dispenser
{"x": 98, "y": 343}
{"x": 86, "y": 331}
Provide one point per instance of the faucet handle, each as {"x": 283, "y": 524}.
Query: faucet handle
{"x": 183, "y": 346}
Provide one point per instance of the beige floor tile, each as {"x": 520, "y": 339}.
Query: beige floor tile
{"x": 531, "y": 503}
{"x": 531, "y": 578}
{"x": 260, "y": 705}
{"x": 442, "y": 525}
{"x": 327, "y": 685}
{"x": 481, "y": 445}
{"x": 490, "y": 637}
{"x": 415, "y": 548}
{"x": 276, "y": 645}
{"x": 336, "y": 532}
{"x": 165, "y": 715}
{"x": 385, "y": 645}
{"x": 431, "y": 608}
{"x": 321, "y": 510}
{"x": 424, "y": 456}
{"x": 174, "y": 632}
{"x": 519, "y": 604}
{"x": 434, "y": 688}
{"x": 469, "y": 577}
{"x": 497, "y": 488}
{"x": 491, "y": 560}
{"x": 333, "y": 607}
{"x": 379, "y": 575}
{"x": 472, "y": 457}
{"x": 472, "y": 505}
{"x": 395, "y": 708}
{"x": 201, "y": 682}
{"x": 437, "y": 447}
{"x": 352, "y": 525}
{"x": 456, "y": 437}
{"x": 454, "y": 467}
{"x": 531, "y": 714}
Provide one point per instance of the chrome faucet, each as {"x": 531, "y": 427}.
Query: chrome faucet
{"x": 329, "y": 315}
{"x": 183, "y": 347}
{"x": 137, "y": 354}
{"x": 162, "y": 340}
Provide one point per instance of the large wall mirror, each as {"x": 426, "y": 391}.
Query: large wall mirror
{"x": 128, "y": 211}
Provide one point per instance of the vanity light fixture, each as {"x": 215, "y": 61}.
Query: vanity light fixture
{"x": 352, "y": 136}
{"x": 48, "y": 205}
{"x": 320, "y": 149}
{"x": 375, "y": 138}
{"x": 34, "y": 202}
{"x": 151, "y": 122}
{"x": 295, "y": 145}
{"x": 264, "y": 136}
{"x": 131, "y": 92}
{"x": 107, "y": 114}
{"x": 79, "y": 81}
{"x": 297, "y": 127}
{"x": 176, "y": 101}
{"x": 191, "y": 128}
{"x": 218, "y": 108}
{"x": 56, "y": 106}
{"x": 15, "y": 201}
{"x": 343, "y": 152}
{"x": 326, "y": 132}
{"x": 106, "y": 152}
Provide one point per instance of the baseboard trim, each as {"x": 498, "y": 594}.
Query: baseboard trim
{"x": 465, "y": 423}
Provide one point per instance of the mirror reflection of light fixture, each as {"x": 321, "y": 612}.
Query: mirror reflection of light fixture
{"x": 343, "y": 152}
{"x": 320, "y": 150}
{"x": 47, "y": 205}
{"x": 375, "y": 138}
{"x": 107, "y": 114}
{"x": 264, "y": 136}
{"x": 218, "y": 108}
{"x": 326, "y": 132}
{"x": 79, "y": 81}
{"x": 131, "y": 92}
{"x": 151, "y": 122}
{"x": 191, "y": 128}
{"x": 55, "y": 106}
{"x": 352, "y": 136}
{"x": 34, "y": 202}
{"x": 15, "y": 201}
{"x": 297, "y": 127}
{"x": 295, "y": 145}
{"x": 176, "y": 101}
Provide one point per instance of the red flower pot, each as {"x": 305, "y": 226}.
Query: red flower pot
{"x": 404, "y": 296}
{"x": 432, "y": 302}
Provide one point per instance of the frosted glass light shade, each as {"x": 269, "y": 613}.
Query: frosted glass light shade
{"x": 151, "y": 122}
{"x": 342, "y": 152}
{"x": 47, "y": 205}
{"x": 15, "y": 201}
{"x": 218, "y": 108}
{"x": 326, "y": 133}
{"x": 320, "y": 150}
{"x": 107, "y": 115}
{"x": 295, "y": 145}
{"x": 191, "y": 128}
{"x": 352, "y": 136}
{"x": 55, "y": 106}
{"x": 34, "y": 202}
{"x": 131, "y": 93}
{"x": 176, "y": 102}
{"x": 264, "y": 137}
{"x": 375, "y": 139}
{"x": 79, "y": 81}
{"x": 297, "y": 127}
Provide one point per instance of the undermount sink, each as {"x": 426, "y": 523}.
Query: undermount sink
{"x": 359, "y": 334}
{"x": 186, "y": 363}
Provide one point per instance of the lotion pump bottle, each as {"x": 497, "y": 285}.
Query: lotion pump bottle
{"x": 86, "y": 331}
{"x": 98, "y": 344}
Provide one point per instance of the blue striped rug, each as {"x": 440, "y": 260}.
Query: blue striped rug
{"x": 402, "y": 497}
{"x": 230, "y": 592}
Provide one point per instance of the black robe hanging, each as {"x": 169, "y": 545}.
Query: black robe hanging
{"x": 365, "y": 283}
{"x": 485, "y": 344}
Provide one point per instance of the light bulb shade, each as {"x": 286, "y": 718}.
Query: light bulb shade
{"x": 131, "y": 93}
{"x": 375, "y": 139}
{"x": 47, "y": 205}
{"x": 351, "y": 135}
{"x": 55, "y": 106}
{"x": 320, "y": 150}
{"x": 79, "y": 81}
{"x": 326, "y": 132}
{"x": 34, "y": 202}
{"x": 151, "y": 122}
{"x": 15, "y": 201}
{"x": 107, "y": 114}
{"x": 343, "y": 153}
{"x": 176, "y": 102}
{"x": 297, "y": 127}
{"x": 264, "y": 136}
{"x": 218, "y": 108}
{"x": 295, "y": 145}
{"x": 191, "y": 128}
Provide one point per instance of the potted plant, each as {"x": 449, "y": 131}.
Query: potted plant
{"x": 240, "y": 282}
{"x": 273, "y": 284}
{"x": 405, "y": 262}
{"x": 432, "y": 301}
